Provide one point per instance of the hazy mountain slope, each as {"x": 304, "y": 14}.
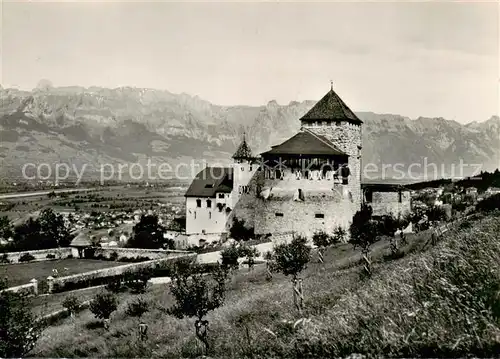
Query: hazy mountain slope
{"x": 125, "y": 125}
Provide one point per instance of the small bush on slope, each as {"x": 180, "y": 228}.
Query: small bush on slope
{"x": 442, "y": 303}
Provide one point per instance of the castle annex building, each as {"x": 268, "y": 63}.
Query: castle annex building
{"x": 308, "y": 183}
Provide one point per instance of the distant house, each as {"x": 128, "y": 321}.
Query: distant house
{"x": 493, "y": 190}
{"x": 471, "y": 190}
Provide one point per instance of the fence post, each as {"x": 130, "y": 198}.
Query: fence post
{"x": 50, "y": 283}
{"x": 34, "y": 282}
{"x": 143, "y": 331}
{"x": 320, "y": 255}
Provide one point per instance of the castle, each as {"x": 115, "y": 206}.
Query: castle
{"x": 309, "y": 183}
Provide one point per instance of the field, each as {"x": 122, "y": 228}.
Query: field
{"x": 98, "y": 199}
{"x": 440, "y": 301}
{"x": 22, "y": 273}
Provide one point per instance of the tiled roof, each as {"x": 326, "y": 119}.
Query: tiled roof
{"x": 81, "y": 240}
{"x": 211, "y": 180}
{"x": 331, "y": 107}
{"x": 305, "y": 143}
{"x": 243, "y": 151}
{"x": 384, "y": 187}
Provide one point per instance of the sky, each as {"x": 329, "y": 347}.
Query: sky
{"x": 432, "y": 59}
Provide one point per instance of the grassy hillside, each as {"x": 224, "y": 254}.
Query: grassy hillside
{"x": 444, "y": 301}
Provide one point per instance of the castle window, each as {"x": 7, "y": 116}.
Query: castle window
{"x": 369, "y": 196}
{"x": 242, "y": 168}
{"x": 198, "y": 203}
{"x": 400, "y": 197}
{"x": 209, "y": 203}
{"x": 221, "y": 195}
{"x": 278, "y": 214}
{"x": 209, "y": 215}
{"x": 194, "y": 214}
{"x": 319, "y": 215}
{"x": 210, "y": 185}
{"x": 250, "y": 167}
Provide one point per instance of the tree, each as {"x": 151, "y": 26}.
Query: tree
{"x": 250, "y": 253}
{"x": 364, "y": 232}
{"x": 137, "y": 308}
{"x": 148, "y": 233}
{"x": 102, "y": 305}
{"x": 239, "y": 232}
{"x": 388, "y": 227}
{"x": 5, "y": 227}
{"x": 291, "y": 259}
{"x": 71, "y": 304}
{"x": 19, "y": 330}
{"x": 339, "y": 235}
{"x": 435, "y": 214}
{"x": 196, "y": 294}
{"x": 52, "y": 226}
{"x": 322, "y": 240}
{"x": 230, "y": 256}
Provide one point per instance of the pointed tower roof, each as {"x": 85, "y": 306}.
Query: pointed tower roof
{"x": 331, "y": 107}
{"x": 243, "y": 152}
{"x": 81, "y": 240}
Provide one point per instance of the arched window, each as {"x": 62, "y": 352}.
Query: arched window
{"x": 198, "y": 203}
{"x": 209, "y": 203}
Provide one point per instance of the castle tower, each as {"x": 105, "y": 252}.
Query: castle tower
{"x": 334, "y": 120}
{"x": 243, "y": 169}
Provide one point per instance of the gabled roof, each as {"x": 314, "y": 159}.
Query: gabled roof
{"x": 384, "y": 187}
{"x": 306, "y": 142}
{"x": 331, "y": 107}
{"x": 243, "y": 151}
{"x": 211, "y": 180}
{"x": 81, "y": 240}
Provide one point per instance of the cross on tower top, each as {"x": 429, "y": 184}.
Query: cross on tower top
{"x": 331, "y": 84}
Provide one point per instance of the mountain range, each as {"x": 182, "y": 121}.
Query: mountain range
{"x": 97, "y": 126}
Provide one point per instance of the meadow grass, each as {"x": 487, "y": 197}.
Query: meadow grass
{"x": 441, "y": 302}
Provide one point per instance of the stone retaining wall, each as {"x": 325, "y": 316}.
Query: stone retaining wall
{"x": 40, "y": 255}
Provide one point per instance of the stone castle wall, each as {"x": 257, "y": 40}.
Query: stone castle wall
{"x": 273, "y": 206}
{"x": 385, "y": 203}
{"x": 347, "y": 137}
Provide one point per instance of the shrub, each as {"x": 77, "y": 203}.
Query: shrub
{"x": 71, "y": 304}
{"x": 19, "y": 330}
{"x": 339, "y": 235}
{"x": 230, "y": 256}
{"x": 137, "y": 282}
{"x": 321, "y": 239}
{"x": 4, "y": 259}
{"x": 50, "y": 256}
{"x": 26, "y": 257}
{"x": 489, "y": 204}
{"x": 137, "y": 308}
{"x": 103, "y": 304}
{"x": 116, "y": 285}
{"x": 70, "y": 256}
{"x": 239, "y": 232}
{"x": 113, "y": 256}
